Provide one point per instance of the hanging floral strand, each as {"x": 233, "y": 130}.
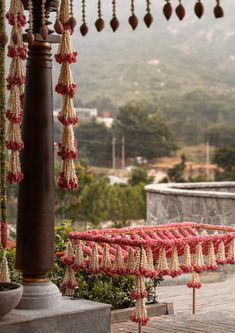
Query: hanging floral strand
{"x": 4, "y": 272}
{"x": 15, "y": 83}
{"x": 67, "y": 88}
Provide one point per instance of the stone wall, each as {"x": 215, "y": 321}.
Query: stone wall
{"x": 212, "y": 203}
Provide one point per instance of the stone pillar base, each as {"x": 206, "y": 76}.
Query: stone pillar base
{"x": 40, "y": 295}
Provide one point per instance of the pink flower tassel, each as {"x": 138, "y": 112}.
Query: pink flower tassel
{"x": 187, "y": 261}
{"x": 198, "y": 262}
{"x": 163, "y": 268}
{"x": 13, "y": 140}
{"x": 221, "y": 258}
{"x": 69, "y": 283}
{"x": 231, "y": 253}
{"x": 119, "y": 264}
{"x": 175, "y": 269}
{"x": 212, "y": 264}
{"x": 94, "y": 266}
{"x": 15, "y": 14}
{"x": 131, "y": 263}
{"x": 68, "y": 179}
{"x": 4, "y": 270}
{"x": 65, "y": 53}
{"x": 195, "y": 282}
{"x": 14, "y": 173}
{"x": 68, "y": 258}
{"x": 66, "y": 84}
{"x": 14, "y": 111}
{"x": 68, "y": 146}
{"x": 140, "y": 290}
{"x": 79, "y": 262}
{"x": 139, "y": 314}
{"x": 106, "y": 263}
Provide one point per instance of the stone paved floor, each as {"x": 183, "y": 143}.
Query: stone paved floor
{"x": 215, "y": 310}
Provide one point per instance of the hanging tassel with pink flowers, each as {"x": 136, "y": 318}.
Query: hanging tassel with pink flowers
{"x": 211, "y": 263}
{"x": 195, "y": 282}
{"x": 67, "y": 88}
{"x": 15, "y": 83}
{"x": 221, "y": 258}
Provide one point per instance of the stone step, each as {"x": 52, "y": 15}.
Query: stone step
{"x": 74, "y": 316}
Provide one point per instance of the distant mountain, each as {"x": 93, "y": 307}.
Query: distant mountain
{"x": 171, "y": 58}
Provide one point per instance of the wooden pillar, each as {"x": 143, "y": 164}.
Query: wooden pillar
{"x": 35, "y": 221}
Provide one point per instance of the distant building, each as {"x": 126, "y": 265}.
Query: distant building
{"x": 87, "y": 113}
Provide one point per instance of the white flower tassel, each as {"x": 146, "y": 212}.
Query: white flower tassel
{"x": 4, "y": 270}
{"x": 119, "y": 264}
{"x": 131, "y": 263}
{"x": 106, "y": 264}
{"x": 187, "y": 260}
{"x": 79, "y": 257}
{"x": 94, "y": 262}
{"x": 221, "y": 258}
{"x": 211, "y": 264}
{"x": 162, "y": 267}
{"x": 231, "y": 253}
{"x": 198, "y": 261}
{"x": 175, "y": 269}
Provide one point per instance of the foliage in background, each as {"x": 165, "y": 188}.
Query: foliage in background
{"x": 98, "y": 201}
{"x": 146, "y": 135}
{"x": 225, "y": 159}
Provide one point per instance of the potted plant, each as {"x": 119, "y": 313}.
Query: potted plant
{"x": 10, "y": 295}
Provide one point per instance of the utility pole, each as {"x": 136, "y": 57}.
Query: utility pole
{"x": 114, "y": 153}
{"x": 123, "y": 152}
{"x": 207, "y": 159}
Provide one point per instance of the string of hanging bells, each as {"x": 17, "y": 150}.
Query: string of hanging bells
{"x": 148, "y": 18}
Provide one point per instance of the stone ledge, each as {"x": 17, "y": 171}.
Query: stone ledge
{"x": 74, "y": 316}
{"x": 158, "y": 309}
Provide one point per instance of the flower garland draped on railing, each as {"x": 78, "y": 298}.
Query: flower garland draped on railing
{"x": 4, "y": 273}
{"x": 15, "y": 84}
{"x": 67, "y": 88}
{"x": 149, "y": 252}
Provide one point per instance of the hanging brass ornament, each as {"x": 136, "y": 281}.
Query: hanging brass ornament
{"x": 84, "y": 29}
{"x": 114, "y": 23}
{"x": 218, "y": 10}
{"x": 180, "y": 11}
{"x": 133, "y": 20}
{"x": 44, "y": 32}
{"x": 167, "y": 10}
{"x": 99, "y": 23}
{"x": 31, "y": 38}
{"x": 3, "y": 39}
{"x": 72, "y": 22}
{"x": 199, "y": 9}
{"x": 148, "y": 18}
{"x": 58, "y": 26}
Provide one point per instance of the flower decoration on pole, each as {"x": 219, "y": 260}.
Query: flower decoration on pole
{"x": 67, "y": 88}
{"x": 149, "y": 252}
{"x": 15, "y": 84}
{"x": 4, "y": 272}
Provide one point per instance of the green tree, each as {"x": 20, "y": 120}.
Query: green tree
{"x": 146, "y": 135}
{"x": 220, "y": 135}
{"x": 140, "y": 176}
{"x": 176, "y": 174}
{"x": 95, "y": 143}
{"x": 225, "y": 159}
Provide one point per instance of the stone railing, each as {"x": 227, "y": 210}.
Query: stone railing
{"x": 212, "y": 202}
